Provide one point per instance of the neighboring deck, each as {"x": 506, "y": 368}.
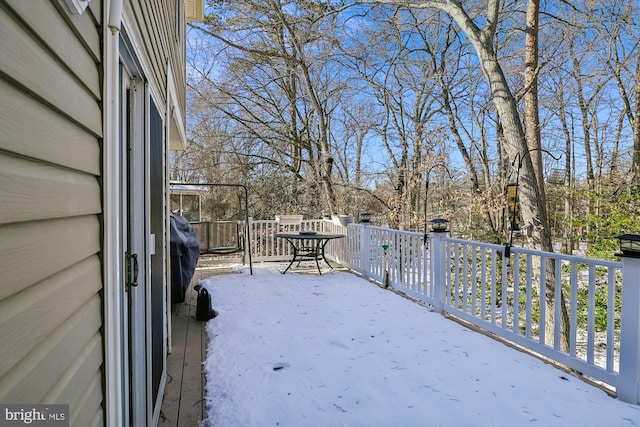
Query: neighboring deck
{"x": 184, "y": 404}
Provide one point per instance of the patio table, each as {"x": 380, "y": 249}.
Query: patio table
{"x": 308, "y": 245}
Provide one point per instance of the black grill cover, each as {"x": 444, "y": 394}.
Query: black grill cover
{"x": 185, "y": 252}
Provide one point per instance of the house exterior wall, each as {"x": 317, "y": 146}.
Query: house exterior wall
{"x": 50, "y": 207}
{"x": 153, "y": 23}
{"x": 53, "y": 139}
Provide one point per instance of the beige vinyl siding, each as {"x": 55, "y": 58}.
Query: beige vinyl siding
{"x": 50, "y": 207}
{"x": 50, "y": 192}
{"x": 52, "y": 29}
{"x": 33, "y": 251}
{"x": 39, "y": 70}
{"x": 57, "y": 297}
{"x": 28, "y": 126}
{"x": 70, "y": 338}
{"x": 156, "y": 21}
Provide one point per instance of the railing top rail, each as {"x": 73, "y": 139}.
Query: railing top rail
{"x": 390, "y": 230}
{"x": 526, "y": 251}
{"x": 276, "y": 221}
{"x": 472, "y": 243}
{"x": 567, "y": 257}
{"x": 226, "y": 221}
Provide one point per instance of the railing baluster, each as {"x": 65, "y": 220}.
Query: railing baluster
{"x": 592, "y": 318}
{"x": 465, "y": 298}
{"x": 458, "y": 272}
{"x": 543, "y": 303}
{"x": 503, "y": 296}
{"x": 474, "y": 282}
{"x": 529, "y": 308}
{"x": 494, "y": 285}
{"x": 516, "y": 293}
{"x": 611, "y": 295}
{"x": 483, "y": 285}
{"x": 557, "y": 299}
{"x": 574, "y": 308}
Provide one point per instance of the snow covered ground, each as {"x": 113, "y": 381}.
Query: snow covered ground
{"x": 335, "y": 350}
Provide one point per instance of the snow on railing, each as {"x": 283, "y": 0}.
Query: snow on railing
{"x": 515, "y": 298}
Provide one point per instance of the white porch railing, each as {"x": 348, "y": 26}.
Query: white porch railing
{"x": 507, "y": 297}
{"x": 511, "y": 297}
{"x": 264, "y": 245}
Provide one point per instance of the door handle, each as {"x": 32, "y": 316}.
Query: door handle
{"x": 132, "y": 269}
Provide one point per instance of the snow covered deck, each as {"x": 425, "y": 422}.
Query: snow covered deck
{"x": 308, "y": 350}
{"x": 412, "y": 270}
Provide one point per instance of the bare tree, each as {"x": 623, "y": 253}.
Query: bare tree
{"x": 483, "y": 41}
{"x": 293, "y": 96}
{"x": 392, "y": 59}
{"x": 619, "y": 32}
{"x": 533, "y": 205}
{"x": 461, "y": 91}
{"x": 285, "y": 49}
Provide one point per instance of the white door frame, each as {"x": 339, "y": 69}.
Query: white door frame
{"x": 135, "y": 212}
{"x": 125, "y": 151}
{"x": 116, "y": 412}
{"x": 128, "y": 343}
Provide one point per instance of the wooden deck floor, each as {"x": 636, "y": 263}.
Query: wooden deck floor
{"x": 184, "y": 404}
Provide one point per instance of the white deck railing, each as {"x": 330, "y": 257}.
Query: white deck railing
{"x": 512, "y": 299}
{"x": 508, "y": 297}
{"x": 266, "y": 247}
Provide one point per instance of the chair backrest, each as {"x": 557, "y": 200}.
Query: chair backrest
{"x": 289, "y": 219}
{"x": 288, "y": 223}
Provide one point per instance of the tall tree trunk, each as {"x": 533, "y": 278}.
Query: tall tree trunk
{"x": 586, "y": 127}
{"x": 567, "y": 235}
{"x": 531, "y": 113}
{"x": 532, "y": 126}
{"x": 515, "y": 140}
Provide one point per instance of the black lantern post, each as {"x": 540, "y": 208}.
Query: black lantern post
{"x": 439, "y": 225}
{"x": 426, "y": 195}
{"x": 630, "y": 245}
{"x": 365, "y": 217}
{"x": 629, "y": 367}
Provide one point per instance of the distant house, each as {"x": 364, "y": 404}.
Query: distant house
{"x": 92, "y": 98}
